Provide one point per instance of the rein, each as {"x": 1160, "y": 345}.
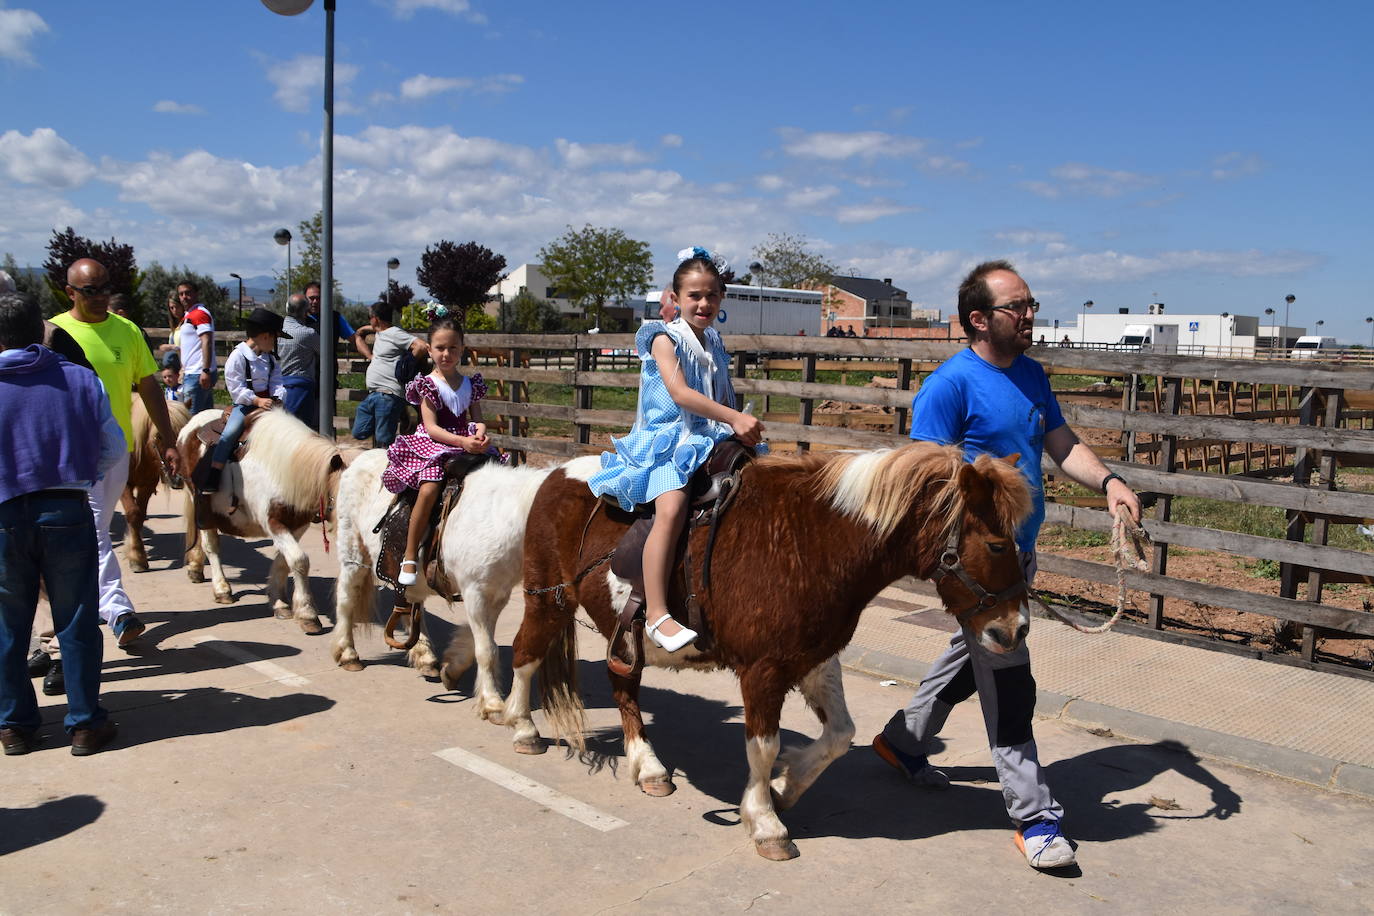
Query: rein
{"x": 951, "y": 565}
{"x": 1124, "y": 530}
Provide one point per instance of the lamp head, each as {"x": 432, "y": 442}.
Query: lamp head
{"x": 1290, "y": 298}
{"x": 393, "y": 263}
{"x": 288, "y": 7}
{"x": 283, "y": 236}
{"x": 236, "y": 276}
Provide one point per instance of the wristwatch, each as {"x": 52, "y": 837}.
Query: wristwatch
{"x": 1110, "y": 477}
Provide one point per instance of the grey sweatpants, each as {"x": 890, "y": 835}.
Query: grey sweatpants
{"x": 1006, "y": 691}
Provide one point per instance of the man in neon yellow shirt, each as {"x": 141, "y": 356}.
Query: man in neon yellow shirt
{"x": 116, "y": 350}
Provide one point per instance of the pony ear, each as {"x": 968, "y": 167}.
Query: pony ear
{"x": 1012, "y": 458}
{"x": 977, "y": 489}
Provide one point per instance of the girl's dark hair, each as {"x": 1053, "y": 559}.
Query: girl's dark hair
{"x": 448, "y": 322}
{"x": 692, "y": 265}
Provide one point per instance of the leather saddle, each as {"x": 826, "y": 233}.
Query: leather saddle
{"x": 711, "y": 490}
{"x": 209, "y": 435}
{"x": 395, "y": 526}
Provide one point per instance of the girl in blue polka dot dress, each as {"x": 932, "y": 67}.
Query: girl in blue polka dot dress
{"x": 686, "y": 406}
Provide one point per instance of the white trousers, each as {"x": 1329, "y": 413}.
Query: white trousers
{"x": 114, "y": 601}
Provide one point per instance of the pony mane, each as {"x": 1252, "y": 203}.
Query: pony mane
{"x": 295, "y": 456}
{"x": 879, "y": 487}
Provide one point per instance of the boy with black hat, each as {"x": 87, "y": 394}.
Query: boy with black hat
{"x": 254, "y": 380}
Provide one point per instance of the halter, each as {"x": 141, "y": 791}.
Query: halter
{"x": 951, "y": 565}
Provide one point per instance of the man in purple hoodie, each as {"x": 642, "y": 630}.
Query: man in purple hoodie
{"x": 57, "y": 438}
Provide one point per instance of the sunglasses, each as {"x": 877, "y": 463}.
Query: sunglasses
{"x": 1018, "y": 308}
{"x": 93, "y": 290}
{"x": 313, "y": 298}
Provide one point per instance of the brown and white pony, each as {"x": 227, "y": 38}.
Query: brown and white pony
{"x": 482, "y": 553}
{"x": 286, "y": 478}
{"x": 806, "y": 546}
{"x": 145, "y": 473}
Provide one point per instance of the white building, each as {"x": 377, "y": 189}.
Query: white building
{"x": 760, "y": 310}
{"x": 528, "y": 278}
{"x": 1198, "y": 334}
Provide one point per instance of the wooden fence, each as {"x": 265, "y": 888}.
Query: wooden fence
{"x": 1183, "y": 427}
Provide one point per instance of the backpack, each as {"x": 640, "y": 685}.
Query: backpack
{"x": 407, "y": 367}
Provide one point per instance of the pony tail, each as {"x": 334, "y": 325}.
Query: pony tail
{"x": 558, "y": 692}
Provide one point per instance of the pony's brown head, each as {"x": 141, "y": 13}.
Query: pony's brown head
{"x": 980, "y": 576}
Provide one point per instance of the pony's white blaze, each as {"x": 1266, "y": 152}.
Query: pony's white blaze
{"x": 584, "y": 468}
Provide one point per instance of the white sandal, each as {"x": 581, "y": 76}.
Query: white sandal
{"x": 409, "y": 578}
{"x": 670, "y": 643}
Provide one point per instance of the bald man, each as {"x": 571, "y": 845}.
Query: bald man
{"x": 115, "y": 349}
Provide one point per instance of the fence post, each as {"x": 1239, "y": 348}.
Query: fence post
{"x": 1297, "y": 522}
{"x": 516, "y": 392}
{"x": 904, "y": 383}
{"x": 582, "y": 394}
{"x": 1168, "y": 450}
{"x": 807, "y": 404}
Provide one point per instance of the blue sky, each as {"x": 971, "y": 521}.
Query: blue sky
{"x": 1215, "y": 156}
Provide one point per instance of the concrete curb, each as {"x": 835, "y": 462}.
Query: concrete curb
{"x": 1322, "y": 772}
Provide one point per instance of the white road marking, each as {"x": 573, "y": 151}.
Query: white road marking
{"x": 536, "y": 792}
{"x": 271, "y": 669}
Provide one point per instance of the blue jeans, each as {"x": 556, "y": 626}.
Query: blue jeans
{"x": 378, "y": 416}
{"x": 50, "y": 535}
{"x": 195, "y": 397}
{"x": 233, "y": 430}
{"x": 300, "y": 399}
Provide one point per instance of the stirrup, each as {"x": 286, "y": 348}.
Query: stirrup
{"x": 670, "y": 643}
{"x": 404, "y": 578}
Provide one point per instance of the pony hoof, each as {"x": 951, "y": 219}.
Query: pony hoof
{"x": 532, "y": 746}
{"x": 352, "y": 665}
{"x": 658, "y": 788}
{"x": 311, "y": 627}
{"x": 429, "y": 672}
{"x": 283, "y": 612}
{"x": 135, "y": 566}
{"x": 777, "y": 850}
{"x": 224, "y": 599}
{"x": 494, "y": 716}
{"x": 195, "y": 575}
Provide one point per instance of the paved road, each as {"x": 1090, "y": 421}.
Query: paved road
{"x": 251, "y": 774}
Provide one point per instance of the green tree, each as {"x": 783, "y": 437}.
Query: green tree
{"x": 65, "y": 248}
{"x": 33, "y": 282}
{"x": 592, "y": 266}
{"x": 460, "y": 276}
{"x": 528, "y": 314}
{"x": 787, "y": 261}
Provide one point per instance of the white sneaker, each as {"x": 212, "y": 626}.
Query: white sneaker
{"x": 1044, "y": 846}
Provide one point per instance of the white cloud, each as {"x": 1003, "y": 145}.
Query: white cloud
{"x": 299, "y": 83}
{"x": 836, "y": 146}
{"x": 809, "y": 197}
{"x": 17, "y": 29}
{"x": 671, "y": 140}
{"x": 584, "y": 155}
{"x": 770, "y": 183}
{"x": 1235, "y": 165}
{"x": 868, "y": 212}
{"x": 404, "y": 9}
{"x": 167, "y": 106}
{"x": 1116, "y": 266}
{"x": 1093, "y": 181}
{"x": 201, "y": 185}
{"x": 431, "y": 152}
{"x": 1029, "y": 236}
{"x": 422, "y": 85}
{"x": 43, "y": 158}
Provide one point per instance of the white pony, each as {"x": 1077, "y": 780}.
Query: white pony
{"x": 284, "y": 482}
{"x": 483, "y": 553}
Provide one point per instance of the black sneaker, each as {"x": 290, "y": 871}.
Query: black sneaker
{"x": 211, "y": 485}
{"x": 39, "y": 663}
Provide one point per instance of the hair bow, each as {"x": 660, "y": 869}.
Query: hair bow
{"x": 435, "y": 310}
{"x": 696, "y": 251}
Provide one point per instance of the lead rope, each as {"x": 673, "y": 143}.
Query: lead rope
{"x": 1127, "y": 537}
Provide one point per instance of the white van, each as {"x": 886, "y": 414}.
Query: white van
{"x": 1149, "y": 338}
{"x": 1311, "y": 346}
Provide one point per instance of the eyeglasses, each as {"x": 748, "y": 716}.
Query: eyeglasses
{"x": 1018, "y": 308}
{"x": 93, "y": 290}
{"x": 313, "y": 298}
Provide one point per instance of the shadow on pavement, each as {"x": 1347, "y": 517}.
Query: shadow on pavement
{"x": 155, "y": 663}
{"x": 23, "y": 828}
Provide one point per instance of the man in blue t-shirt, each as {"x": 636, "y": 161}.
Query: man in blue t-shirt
{"x": 993, "y": 399}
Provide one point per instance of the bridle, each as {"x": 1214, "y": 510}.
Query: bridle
{"x": 951, "y": 565}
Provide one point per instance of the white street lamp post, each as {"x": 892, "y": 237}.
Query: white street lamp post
{"x": 283, "y": 237}
{"x": 1082, "y": 325}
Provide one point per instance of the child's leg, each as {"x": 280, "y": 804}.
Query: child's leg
{"x": 419, "y": 516}
{"x": 670, "y": 510}
{"x": 229, "y": 439}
